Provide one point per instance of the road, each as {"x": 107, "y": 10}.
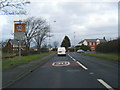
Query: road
{"x": 72, "y": 71}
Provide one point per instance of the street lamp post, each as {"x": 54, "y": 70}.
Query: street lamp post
{"x": 49, "y": 34}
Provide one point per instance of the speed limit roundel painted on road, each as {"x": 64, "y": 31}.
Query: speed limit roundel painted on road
{"x": 19, "y": 27}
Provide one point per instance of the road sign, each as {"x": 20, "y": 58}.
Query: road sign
{"x": 19, "y": 35}
{"x": 19, "y": 27}
{"x": 19, "y": 30}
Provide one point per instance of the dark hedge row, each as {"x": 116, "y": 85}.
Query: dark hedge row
{"x": 108, "y": 47}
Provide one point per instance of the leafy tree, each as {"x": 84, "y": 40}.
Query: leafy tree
{"x": 84, "y": 47}
{"x": 77, "y": 47}
{"x": 66, "y": 42}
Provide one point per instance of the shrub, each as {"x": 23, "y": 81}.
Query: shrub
{"x": 108, "y": 47}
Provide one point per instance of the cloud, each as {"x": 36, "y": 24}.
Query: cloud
{"x": 86, "y": 18}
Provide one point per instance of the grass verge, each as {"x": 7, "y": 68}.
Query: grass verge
{"x": 12, "y": 62}
{"x": 108, "y": 56}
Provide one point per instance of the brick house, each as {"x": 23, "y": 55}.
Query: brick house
{"x": 13, "y": 45}
{"x": 92, "y": 43}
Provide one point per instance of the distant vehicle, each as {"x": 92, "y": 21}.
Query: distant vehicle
{"x": 80, "y": 51}
{"x": 61, "y": 51}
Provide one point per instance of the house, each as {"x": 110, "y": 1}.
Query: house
{"x": 92, "y": 43}
{"x": 34, "y": 48}
{"x": 13, "y": 45}
{"x": 3, "y": 44}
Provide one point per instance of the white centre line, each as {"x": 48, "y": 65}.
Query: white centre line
{"x": 105, "y": 84}
{"x": 69, "y": 56}
{"x": 82, "y": 65}
{"x": 78, "y": 62}
{"x": 74, "y": 59}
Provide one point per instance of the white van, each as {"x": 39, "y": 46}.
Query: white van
{"x": 61, "y": 51}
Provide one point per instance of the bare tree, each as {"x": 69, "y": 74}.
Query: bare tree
{"x": 31, "y": 30}
{"x": 37, "y": 29}
{"x": 12, "y": 6}
{"x": 42, "y": 34}
{"x": 55, "y": 43}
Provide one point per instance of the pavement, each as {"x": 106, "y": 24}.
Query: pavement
{"x": 12, "y": 75}
{"x": 72, "y": 71}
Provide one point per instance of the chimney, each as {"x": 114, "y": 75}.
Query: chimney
{"x": 104, "y": 38}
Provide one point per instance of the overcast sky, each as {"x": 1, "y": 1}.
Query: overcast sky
{"x": 84, "y": 19}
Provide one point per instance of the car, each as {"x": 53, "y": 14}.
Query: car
{"x": 80, "y": 51}
{"x": 61, "y": 51}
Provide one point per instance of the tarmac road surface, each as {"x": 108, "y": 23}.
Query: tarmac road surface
{"x": 72, "y": 71}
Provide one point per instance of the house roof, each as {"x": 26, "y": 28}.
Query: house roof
{"x": 102, "y": 40}
{"x": 4, "y": 44}
{"x": 81, "y": 42}
{"x": 92, "y": 40}
{"x": 15, "y": 42}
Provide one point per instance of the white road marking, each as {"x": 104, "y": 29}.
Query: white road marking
{"x": 53, "y": 64}
{"x": 91, "y": 73}
{"x": 78, "y": 62}
{"x": 66, "y": 63}
{"x": 74, "y": 59}
{"x": 82, "y": 65}
{"x": 61, "y": 63}
{"x": 105, "y": 84}
{"x": 69, "y": 56}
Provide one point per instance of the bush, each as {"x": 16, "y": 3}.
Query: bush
{"x": 84, "y": 47}
{"x": 108, "y": 47}
{"x": 44, "y": 50}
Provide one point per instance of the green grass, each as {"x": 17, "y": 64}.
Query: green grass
{"x": 12, "y": 62}
{"x": 108, "y": 56}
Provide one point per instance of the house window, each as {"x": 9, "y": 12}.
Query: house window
{"x": 98, "y": 43}
{"x": 94, "y": 43}
{"x": 90, "y": 43}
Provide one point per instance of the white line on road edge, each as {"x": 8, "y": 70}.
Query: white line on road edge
{"x": 78, "y": 62}
{"x": 105, "y": 84}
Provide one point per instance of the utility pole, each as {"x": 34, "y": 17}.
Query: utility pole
{"x": 74, "y": 41}
{"x": 49, "y": 36}
{"x": 49, "y": 33}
